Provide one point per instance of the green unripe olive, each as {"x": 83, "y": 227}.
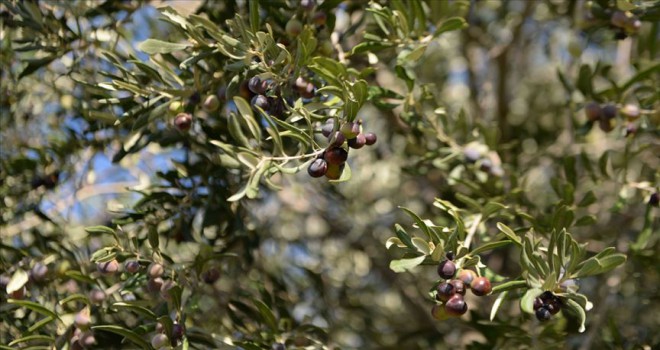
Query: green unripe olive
{"x": 325, "y": 48}
{"x": 211, "y": 103}
{"x": 175, "y": 107}
{"x": 159, "y": 340}
{"x": 293, "y": 27}
{"x": 481, "y": 286}
{"x": 438, "y": 312}
{"x": 334, "y": 171}
{"x": 350, "y": 130}
{"x": 456, "y": 306}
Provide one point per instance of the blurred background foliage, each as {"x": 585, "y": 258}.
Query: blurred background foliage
{"x": 306, "y": 265}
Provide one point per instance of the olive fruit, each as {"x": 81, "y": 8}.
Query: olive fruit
{"x": 471, "y": 154}
{"x": 159, "y": 340}
{"x": 654, "y": 199}
{"x": 132, "y": 266}
{"x": 606, "y": 124}
{"x": 456, "y": 306}
{"x": 318, "y": 168}
{"x": 543, "y": 314}
{"x": 459, "y": 286}
{"x": 108, "y": 267}
{"x": 293, "y": 27}
{"x": 255, "y": 85}
{"x": 619, "y": 19}
{"x": 82, "y": 319}
{"x": 320, "y": 18}
{"x": 260, "y": 101}
{"x": 211, "y": 275}
{"x": 165, "y": 289}
{"x": 183, "y": 121}
{"x": 593, "y": 111}
{"x": 336, "y": 155}
{"x": 444, "y": 291}
{"x": 350, "y": 129}
{"x": 211, "y": 103}
{"x": 177, "y": 332}
{"x": 481, "y": 286}
{"x": 87, "y": 340}
{"x": 154, "y": 284}
{"x": 337, "y": 139}
{"x": 450, "y": 255}
{"x": 370, "y": 138}
{"x": 466, "y": 276}
{"x": 438, "y": 312}
{"x": 334, "y": 171}
{"x": 631, "y": 111}
{"x": 446, "y": 269}
{"x": 327, "y": 128}
{"x": 96, "y": 296}
{"x": 609, "y": 112}
{"x": 175, "y": 107}
{"x": 39, "y": 272}
{"x": 538, "y": 303}
{"x": 357, "y": 142}
{"x": 18, "y": 293}
{"x": 155, "y": 270}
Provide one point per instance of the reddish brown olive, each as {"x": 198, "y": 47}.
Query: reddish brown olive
{"x": 481, "y": 286}
{"x": 456, "y": 306}
{"x": 446, "y": 269}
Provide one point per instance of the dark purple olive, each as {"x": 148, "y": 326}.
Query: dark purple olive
{"x": 328, "y": 127}
{"x": 543, "y": 314}
{"x": 459, "y": 286}
{"x": 358, "y": 142}
{"x": 336, "y": 155}
{"x": 183, "y": 121}
{"x": 254, "y": 84}
{"x": 318, "y": 168}
{"x": 370, "y": 138}
{"x": 337, "y": 139}
{"x": 444, "y": 291}
{"x": 456, "y": 305}
{"x": 260, "y": 101}
{"x": 593, "y": 111}
{"x": 446, "y": 269}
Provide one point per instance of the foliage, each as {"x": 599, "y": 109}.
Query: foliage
{"x": 486, "y": 144}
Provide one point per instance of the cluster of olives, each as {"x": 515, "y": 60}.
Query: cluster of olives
{"x": 266, "y": 95}
{"x": 606, "y": 114}
{"x": 450, "y": 293}
{"x": 546, "y": 305}
{"x": 624, "y": 24}
{"x": 83, "y": 336}
{"x": 332, "y": 161}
